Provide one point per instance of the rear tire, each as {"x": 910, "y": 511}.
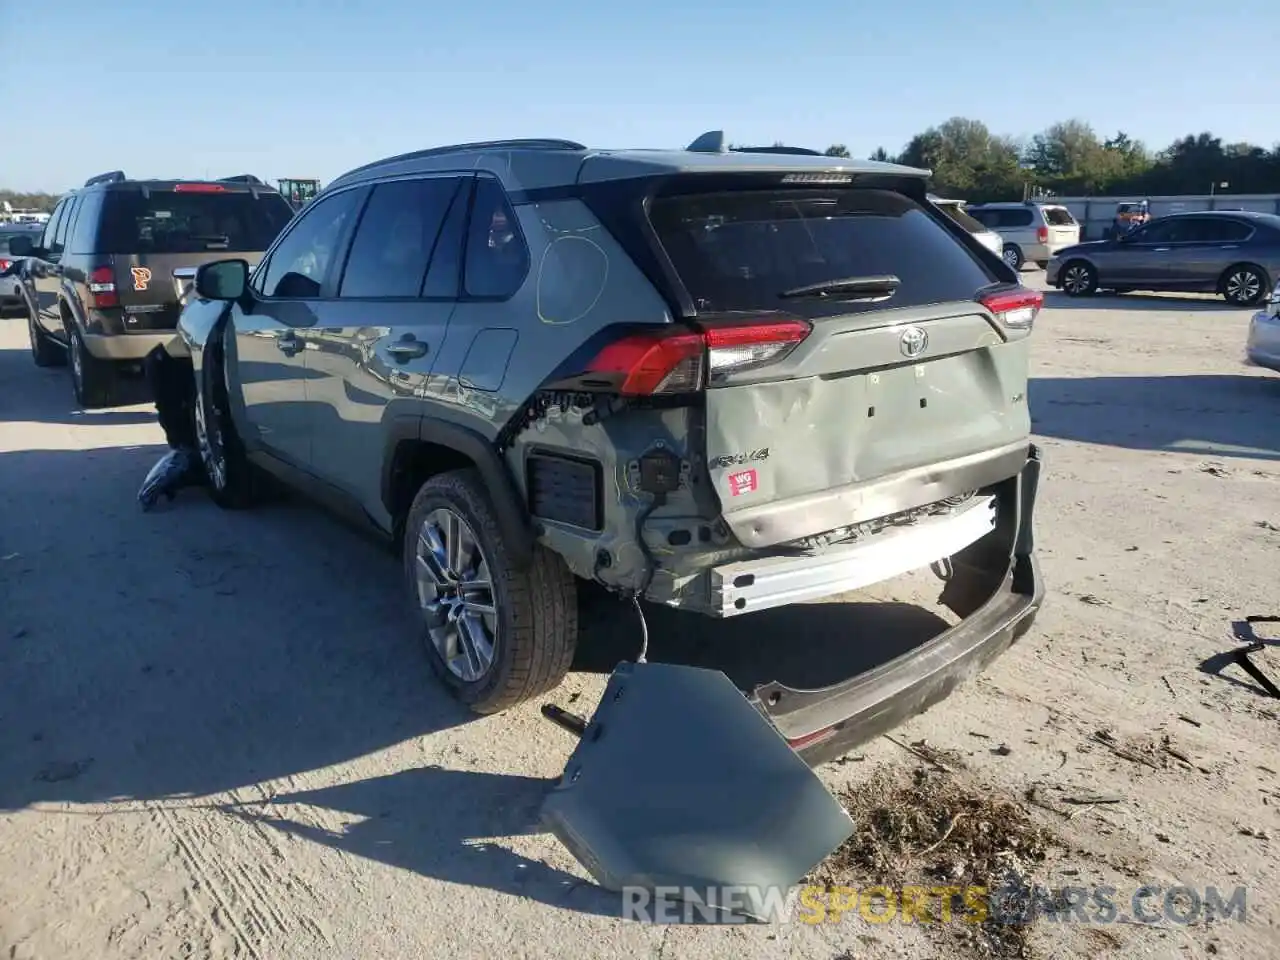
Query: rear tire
{"x": 1012, "y": 255}
{"x": 93, "y": 380}
{"x": 1078, "y": 279}
{"x": 232, "y": 480}
{"x": 1244, "y": 285}
{"x": 524, "y": 647}
{"x": 44, "y": 351}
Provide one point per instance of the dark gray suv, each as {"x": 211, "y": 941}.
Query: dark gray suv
{"x": 717, "y": 380}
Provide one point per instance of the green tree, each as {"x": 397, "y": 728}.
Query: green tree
{"x": 837, "y": 150}
{"x": 882, "y": 155}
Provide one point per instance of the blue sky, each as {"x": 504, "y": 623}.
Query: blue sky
{"x": 292, "y": 89}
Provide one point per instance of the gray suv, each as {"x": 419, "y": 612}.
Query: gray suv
{"x": 716, "y": 380}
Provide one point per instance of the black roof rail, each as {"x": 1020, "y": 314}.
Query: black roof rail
{"x": 535, "y": 143}
{"x": 791, "y": 151}
{"x": 115, "y": 176}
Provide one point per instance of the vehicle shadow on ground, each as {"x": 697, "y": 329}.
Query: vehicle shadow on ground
{"x": 804, "y": 646}
{"x": 1167, "y": 303}
{"x": 438, "y": 823}
{"x": 1213, "y": 415}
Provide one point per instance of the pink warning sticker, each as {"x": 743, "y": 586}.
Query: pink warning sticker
{"x": 745, "y": 481}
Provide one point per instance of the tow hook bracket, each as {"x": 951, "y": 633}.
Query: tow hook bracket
{"x": 678, "y": 782}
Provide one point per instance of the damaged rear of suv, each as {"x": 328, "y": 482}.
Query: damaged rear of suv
{"x": 719, "y": 381}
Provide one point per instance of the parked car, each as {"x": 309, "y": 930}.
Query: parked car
{"x": 1235, "y": 254}
{"x": 10, "y": 281}
{"x": 721, "y": 381}
{"x": 105, "y": 275}
{"x": 1031, "y": 232}
{"x": 1263, "y": 345}
{"x": 955, "y": 210}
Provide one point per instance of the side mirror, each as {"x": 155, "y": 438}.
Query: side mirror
{"x": 21, "y": 246}
{"x": 222, "y": 280}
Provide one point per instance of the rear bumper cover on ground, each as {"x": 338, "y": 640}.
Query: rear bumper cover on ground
{"x": 995, "y": 586}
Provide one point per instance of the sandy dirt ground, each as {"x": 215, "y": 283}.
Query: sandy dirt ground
{"x": 218, "y": 737}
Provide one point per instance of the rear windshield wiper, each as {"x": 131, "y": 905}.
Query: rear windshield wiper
{"x": 211, "y": 239}
{"x": 847, "y": 288}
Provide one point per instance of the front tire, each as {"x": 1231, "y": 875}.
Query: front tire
{"x": 495, "y": 635}
{"x": 229, "y": 474}
{"x": 1078, "y": 279}
{"x": 93, "y": 380}
{"x": 1012, "y": 255}
{"x": 1244, "y": 285}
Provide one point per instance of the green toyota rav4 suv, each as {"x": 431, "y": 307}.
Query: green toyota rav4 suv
{"x": 718, "y": 380}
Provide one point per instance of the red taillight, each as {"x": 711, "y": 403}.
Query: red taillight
{"x": 4, "y": 264}
{"x": 1042, "y": 235}
{"x": 1015, "y": 308}
{"x": 646, "y": 364}
{"x": 102, "y": 288}
{"x": 198, "y": 188}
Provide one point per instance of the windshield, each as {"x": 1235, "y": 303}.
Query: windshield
{"x": 953, "y": 211}
{"x": 741, "y": 250}
{"x": 169, "y": 221}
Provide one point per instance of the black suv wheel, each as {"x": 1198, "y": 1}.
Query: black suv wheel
{"x": 44, "y": 351}
{"x": 94, "y": 380}
{"x": 495, "y": 635}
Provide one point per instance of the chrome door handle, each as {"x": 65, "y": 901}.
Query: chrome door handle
{"x": 1230, "y": 246}
{"x": 1159, "y": 249}
{"x": 407, "y": 348}
{"x": 288, "y": 343}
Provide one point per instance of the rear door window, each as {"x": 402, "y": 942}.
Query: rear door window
{"x": 397, "y": 233}
{"x": 497, "y": 259}
{"x": 1221, "y": 230}
{"x": 1059, "y": 217}
{"x": 738, "y": 251}
{"x": 191, "y": 221}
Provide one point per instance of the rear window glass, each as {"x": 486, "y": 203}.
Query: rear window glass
{"x": 167, "y": 221}
{"x": 1058, "y": 217}
{"x": 741, "y": 250}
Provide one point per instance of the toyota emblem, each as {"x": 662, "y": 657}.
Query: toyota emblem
{"x": 913, "y": 341}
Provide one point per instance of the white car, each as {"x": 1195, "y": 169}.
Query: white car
{"x": 11, "y": 286}
{"x": 1263, "y": 346}
{"x": 955, "y": 210}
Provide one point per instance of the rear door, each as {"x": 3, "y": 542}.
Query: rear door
{"x": 379, "y": 337}
{"x": 44, "y": 273}
{"x": 877, "y": 389}
{"x": 157, "y": 235}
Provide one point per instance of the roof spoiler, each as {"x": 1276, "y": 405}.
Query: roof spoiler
{"x": 790, "y": 151}
{"x": 115, "y": 176}
{"x": 711, "y": 142}
{"x": 243, "y": 178}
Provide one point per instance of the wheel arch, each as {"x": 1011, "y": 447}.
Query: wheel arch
{"x": 418, "y": 447}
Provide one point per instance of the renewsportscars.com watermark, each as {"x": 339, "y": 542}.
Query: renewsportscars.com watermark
{"x": 1011, "y": 903}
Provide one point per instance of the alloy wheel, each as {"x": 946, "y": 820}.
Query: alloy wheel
{"x": 1010, "y": 256}
{"x": 1243, "y": 286}
{"x": 77, "y": 361}
{"x": 209, "y": 440}
{"x": 1076, "y": 279}
{"x": 455, "y": 592}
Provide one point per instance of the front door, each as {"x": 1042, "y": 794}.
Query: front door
{"x": 1141, "y": 259}
{"x": 379, "y": 337}
{"x": 289, "y": 292}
